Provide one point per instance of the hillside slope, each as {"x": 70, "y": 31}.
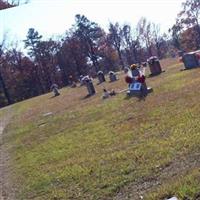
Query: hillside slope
{"x": 69, "y": 147}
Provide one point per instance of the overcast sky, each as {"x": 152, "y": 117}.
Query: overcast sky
{"x": 54, "y": 17}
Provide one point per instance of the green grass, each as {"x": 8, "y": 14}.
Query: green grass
{"x": 91, "y": 149}
{"x": 185, "y": 186}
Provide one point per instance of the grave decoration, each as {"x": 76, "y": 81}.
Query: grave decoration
{"x": 136, "y": 80}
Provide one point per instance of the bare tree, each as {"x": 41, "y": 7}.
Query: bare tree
{"x": 145, "y": 31}
{"x": 115, "y": 38}
{"x": 131, "y": 44}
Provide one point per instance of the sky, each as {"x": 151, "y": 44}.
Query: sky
{"x": 54, "y": 17}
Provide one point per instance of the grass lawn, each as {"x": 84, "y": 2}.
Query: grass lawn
{"x": 118, "y": 148}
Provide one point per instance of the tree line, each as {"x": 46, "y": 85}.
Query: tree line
{"x": 87, "y": 48}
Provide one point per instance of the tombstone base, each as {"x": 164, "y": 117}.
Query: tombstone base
{"x": 189, "y": 68}
{"x": 57, "y": 94}
{"x": 138, "y": 93}
{"x": 111, "y": 81}
{"x": 100, "y": 82}
{"x": 87, "y": 96}
{"x": 151, "y": 75}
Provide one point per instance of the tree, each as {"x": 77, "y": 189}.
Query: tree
{"x": 2, "y": 81}
{"x": 126, "y": 32}
{"x": 115, "y": 38}
{"x": 108, "y": 53}
{"x": 131, "y": 44}
{"x": 146, "y": 34}
{"x": 190, "y": 14}
{"x": 159, "y": 41}
{"x": 175, "y": 33}
{"x": 189, "y": 17}
{"x": 72, "y": 58}
{"x": 9, "y": 4}
{"x": 20, "y": 75}
{"x": 46, "y": 54}
{"x": 31, "y": 43}
{"x": 89, "y": 34}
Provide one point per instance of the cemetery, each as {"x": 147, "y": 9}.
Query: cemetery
{"x": 114, "y": 149}
{"x": 86, "y": 110}
{"x": 135, "y": 76}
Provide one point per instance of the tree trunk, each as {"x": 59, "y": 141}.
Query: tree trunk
{"x": 95, "y": 64}
{"x": 5, "y": 90}
{"x": 61, "y": 64}
{"x": 158, "y": 51}
{"x": 94, "y": 59}
{"x": 120, "y": 58}
{"x": 38, "y": 75}
{"x": 135, "y": 55}
{"x": 149, "y": 51}
{"x": 198, "y": 32}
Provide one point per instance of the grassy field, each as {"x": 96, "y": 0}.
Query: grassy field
{"x": 118, "y": 148}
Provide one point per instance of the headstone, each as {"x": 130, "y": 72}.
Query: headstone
{"x": 90, "y": 87}
{"x": 88, "y": 83}
{"x": 134, "y": 89}
{"x": 101, "y": 77}
{"x": 54, "y": 88}
{"x": 191, "y": 60}
{"x": 138, "y": 89}
{"x": 112, "y": 76}
{"x": 126, "y": 70}
{"x": 154, "y": 65}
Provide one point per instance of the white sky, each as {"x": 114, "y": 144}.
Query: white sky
{"x": 54, "y": 17}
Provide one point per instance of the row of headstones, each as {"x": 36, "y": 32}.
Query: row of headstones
{"x": 101, "y": 77}
{"x": 87, "y": 81}
{"x": 154, "y": 65}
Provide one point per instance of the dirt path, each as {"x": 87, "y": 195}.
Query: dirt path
{"x": 138, "y": 189}
{"x": 6, "y": 192}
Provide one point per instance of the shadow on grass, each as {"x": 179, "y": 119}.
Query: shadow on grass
{"x": 52, "y": 97}
{"x": 153, "y": 75}
{"x": 186, "y": 69}
{"x": 86, "y": 97}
